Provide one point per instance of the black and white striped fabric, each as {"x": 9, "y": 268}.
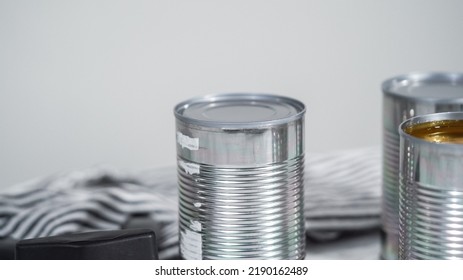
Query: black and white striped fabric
{"x": 342, "y": 193}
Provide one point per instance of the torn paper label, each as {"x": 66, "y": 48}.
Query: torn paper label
{"x": 191, "y": 245}
{"x": 187, "y": 142}
{"x": 190, "y": 168}
{"x": 195, "y": 225}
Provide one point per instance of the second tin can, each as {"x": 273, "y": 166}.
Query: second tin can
{"x": 404, "y": 97}
{"x": 240, "y": 167}
{"x": 431, "y": 187}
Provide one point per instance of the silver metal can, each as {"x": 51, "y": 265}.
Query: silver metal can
{"x": 240, "y": 172}
{"x": 431, "y": 187}
{"x": 404, "y": 97}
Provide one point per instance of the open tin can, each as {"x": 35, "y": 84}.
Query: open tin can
{"x": 404, "y": 97}
{"x": 240, "y": 172}
{"x": 431, "y": 187}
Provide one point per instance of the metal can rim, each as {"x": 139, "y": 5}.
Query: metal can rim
{"x": 430, "y": 77}
{"x": 429, "y": 118}
{"x": 298, "y": 105}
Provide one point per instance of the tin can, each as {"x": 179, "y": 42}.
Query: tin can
{"x": 404, "y": 97}
{"x": 431, "y": 187}
{"x": 240, "y": 172}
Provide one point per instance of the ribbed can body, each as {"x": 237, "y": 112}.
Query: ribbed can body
{"x": 404, "y": 97}
{"x": 431, "y": 196}
{"x": 241, "y": 190}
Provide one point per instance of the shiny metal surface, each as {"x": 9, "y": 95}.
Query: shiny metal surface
{"x": 431, "y": 195}
{"x": 239, "y": 110}
{"x": 241, "y": 177}
{"x": 404, "y": 97}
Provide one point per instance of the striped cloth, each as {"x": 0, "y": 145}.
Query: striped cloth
{"x": 342, "y": 193}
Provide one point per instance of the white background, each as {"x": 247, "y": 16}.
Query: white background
{"x": 146, "y": 270}
{"x": 94, "y": 82}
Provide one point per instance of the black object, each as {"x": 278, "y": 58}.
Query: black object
{"x": 126, "y": 244}
{"x": 7, "y": 246}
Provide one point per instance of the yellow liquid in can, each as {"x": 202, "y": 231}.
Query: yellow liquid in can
{"x": 444, "y": 131}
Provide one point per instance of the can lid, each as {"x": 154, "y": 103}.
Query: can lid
{"x": 435, "y": 87}
{"x": 239, "y": 110}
